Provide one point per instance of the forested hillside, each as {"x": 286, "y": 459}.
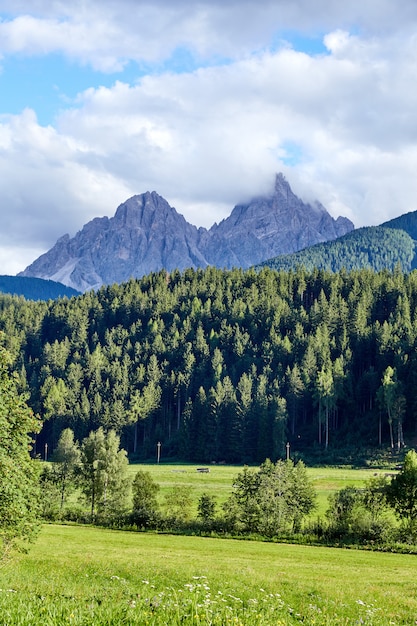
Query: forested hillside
{"x": 373, "y": 247}
{"x": 35, "y": 288}
{"x": 406, "y": 222}
{"x": 224, "y": 365}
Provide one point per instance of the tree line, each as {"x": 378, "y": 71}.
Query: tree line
{"x": 274, "y": 500}
{"x": 222, "y": 365}
{"x": 270, "y": 501}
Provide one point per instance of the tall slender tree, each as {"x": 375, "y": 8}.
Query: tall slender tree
{"x": 103, "y": 473}
{"x": 66, "y": 459}
{"x": 19, "y": 495}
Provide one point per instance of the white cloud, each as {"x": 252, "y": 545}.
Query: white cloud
{"x": 341, "y": 125}
{"x": 107, "y": 33}
{"x": 45, "y": 189}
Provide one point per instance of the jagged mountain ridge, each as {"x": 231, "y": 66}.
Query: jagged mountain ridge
{"x": 146, "y": 234}
{"x": 280, "y": 222}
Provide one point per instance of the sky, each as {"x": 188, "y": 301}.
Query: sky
{"x": 203, "y": 102}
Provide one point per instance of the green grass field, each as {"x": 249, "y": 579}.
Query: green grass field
{"x": 219, "y": 480}
{"x": 89, "y": 576}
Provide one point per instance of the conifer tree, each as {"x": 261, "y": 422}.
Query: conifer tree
{"x": 19, "y": 495}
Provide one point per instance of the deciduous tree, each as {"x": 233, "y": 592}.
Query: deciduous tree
{"x": 103, "y": 473}
{"x": 145, "y": 498}
{"x": 402, "y": 492}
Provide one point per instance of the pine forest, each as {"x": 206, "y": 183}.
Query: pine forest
{"x": 224, "y": 366}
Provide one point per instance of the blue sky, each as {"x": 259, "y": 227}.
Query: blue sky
{"x": 50, "y": 83}
{"x": 203, "y": 102}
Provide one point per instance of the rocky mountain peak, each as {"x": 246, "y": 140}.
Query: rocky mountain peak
{"x": 282, "y": 187}
{"x": 146, "y": 234}
{"x": 271, "y": 225}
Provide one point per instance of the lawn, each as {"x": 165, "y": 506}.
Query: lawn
{"x": 89, "y": 576}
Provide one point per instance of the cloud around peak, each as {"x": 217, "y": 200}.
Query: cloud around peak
{"x": 204, "y": 102}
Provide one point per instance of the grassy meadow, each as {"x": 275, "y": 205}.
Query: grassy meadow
{"x": 90, "y": 576}
{"x": 219, "y": 480}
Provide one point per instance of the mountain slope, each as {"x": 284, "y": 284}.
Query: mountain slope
{"x": 406, "y": 222}
{"x": 373, "y": 247}
{"x": 35, "y": 288}
{"x": 146, "y": 235}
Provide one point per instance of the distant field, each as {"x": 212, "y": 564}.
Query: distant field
{"x": 87, "y": 576}
{"x": 219, "y": 480}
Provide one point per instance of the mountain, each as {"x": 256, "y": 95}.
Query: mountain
{"x": 35, "y": 288}
{"x": 147, "y": 234}
{"x": 406, "y": 222}
{"x": 267, "y": 226}
{"x": 373, "y": 247}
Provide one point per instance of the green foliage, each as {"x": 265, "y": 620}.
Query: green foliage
{"x": 406, "y": 222}
{"x": 145, "y": 499}
{"x": 50, "y": 495}
{"x": 178, "y": 503}
{"x": 224, "y": 366}
{"x": 35, "y": 288}
{"x": 393, "y": 401}
{"x": 272, "y": 500}
{"x": 402, "y": 493}
{"x": 66, "y": 463}
{"x": 361, "y": 514}
{"x": 372, "y": 247}
{"x": 19, "y": 493}
{"x": 207, "y": 508}
{"x": 103, "y": 474}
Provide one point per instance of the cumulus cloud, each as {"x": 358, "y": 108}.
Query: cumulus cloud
{"x": 340, "y": 124}
{"x": 220, "y": 133}
{"x": 108, "y": 33}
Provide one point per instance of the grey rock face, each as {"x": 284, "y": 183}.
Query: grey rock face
{"x": 269, "y": 226}
{"x": 146, "y": 235}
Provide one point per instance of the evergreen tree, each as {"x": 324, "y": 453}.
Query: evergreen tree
{"x": 19, "y": 494}
{"x": 66, "y": 460}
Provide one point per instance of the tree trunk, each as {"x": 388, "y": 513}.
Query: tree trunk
{"x": 178, "y": 409}
{"x": 391, "y": 434}
{"x": 320, "y": 423}
{"x": 380, "y": 430}
{"x": 327, "y": 428}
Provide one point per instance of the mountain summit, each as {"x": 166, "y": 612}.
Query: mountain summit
{"x": 146, "y": 234}
{"x": 268, "y": 226}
